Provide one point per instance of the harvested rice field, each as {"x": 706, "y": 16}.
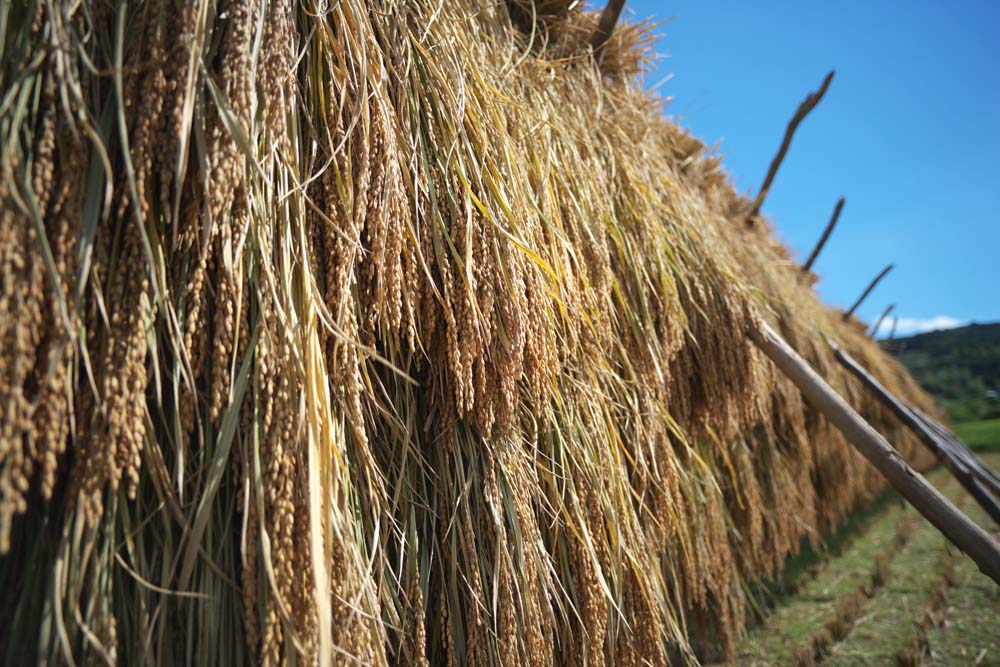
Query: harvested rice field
{"x": 895, "y": 594}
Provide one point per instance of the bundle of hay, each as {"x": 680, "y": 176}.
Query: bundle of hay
{"x": 386, "y": 332}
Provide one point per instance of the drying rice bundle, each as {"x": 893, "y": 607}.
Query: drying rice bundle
{"x": 390, "y": 333}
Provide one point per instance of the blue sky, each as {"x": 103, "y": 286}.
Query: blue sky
{"x": 909, "y": 133}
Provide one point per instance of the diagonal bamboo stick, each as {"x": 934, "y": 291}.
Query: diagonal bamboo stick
{"x": 985, "y": 472}
{"x": 956, "y": 526}
{"x": 807, "y": 105}
{"x": 982, "y": 485}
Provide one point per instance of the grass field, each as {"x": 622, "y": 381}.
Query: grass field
{"x": 892, "y": 593}
{"x": 982, "y": 436}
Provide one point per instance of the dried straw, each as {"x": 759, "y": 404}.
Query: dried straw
{"x": 387, "y": 332}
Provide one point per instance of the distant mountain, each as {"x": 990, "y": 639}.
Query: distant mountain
{"x": 961, "y": 367}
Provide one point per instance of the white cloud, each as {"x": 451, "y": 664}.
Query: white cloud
{"x": 914, "y": 325}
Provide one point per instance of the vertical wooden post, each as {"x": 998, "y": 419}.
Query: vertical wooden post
{"x": 825, "y": 236}
{"x": 606, "y": 24}
{"x": 885, "y": 313}
{"x": 807, "y": 105}
{"x": 868, "y": 290}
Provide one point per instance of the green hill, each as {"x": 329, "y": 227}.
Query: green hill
{"x": 961, "y": 367}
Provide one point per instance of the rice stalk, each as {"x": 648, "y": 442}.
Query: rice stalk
{"x": 387, "y": 333}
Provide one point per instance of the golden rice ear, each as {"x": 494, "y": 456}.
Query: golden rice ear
{"x": 388, "y": 332}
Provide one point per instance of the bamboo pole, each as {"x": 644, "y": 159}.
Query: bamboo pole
{"x": 868, "y": 290}
{"x": 947, "y": 518}
{"x": 963, "y": 470}
{"x": 825, "y": 236}
{"x": 606, "y": 24}
{"x": 807, "y": 105}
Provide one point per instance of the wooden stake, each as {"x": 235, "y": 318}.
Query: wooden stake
{"x": 606, "y": 24}
{"x": 958, "y": 528}
{"x": 964, "y": 471}
{"x": 825, "y": 236}
{"x": 867, "y": 291}
{"x": 807, "y": 105}
{"x": 885, "y": 314}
